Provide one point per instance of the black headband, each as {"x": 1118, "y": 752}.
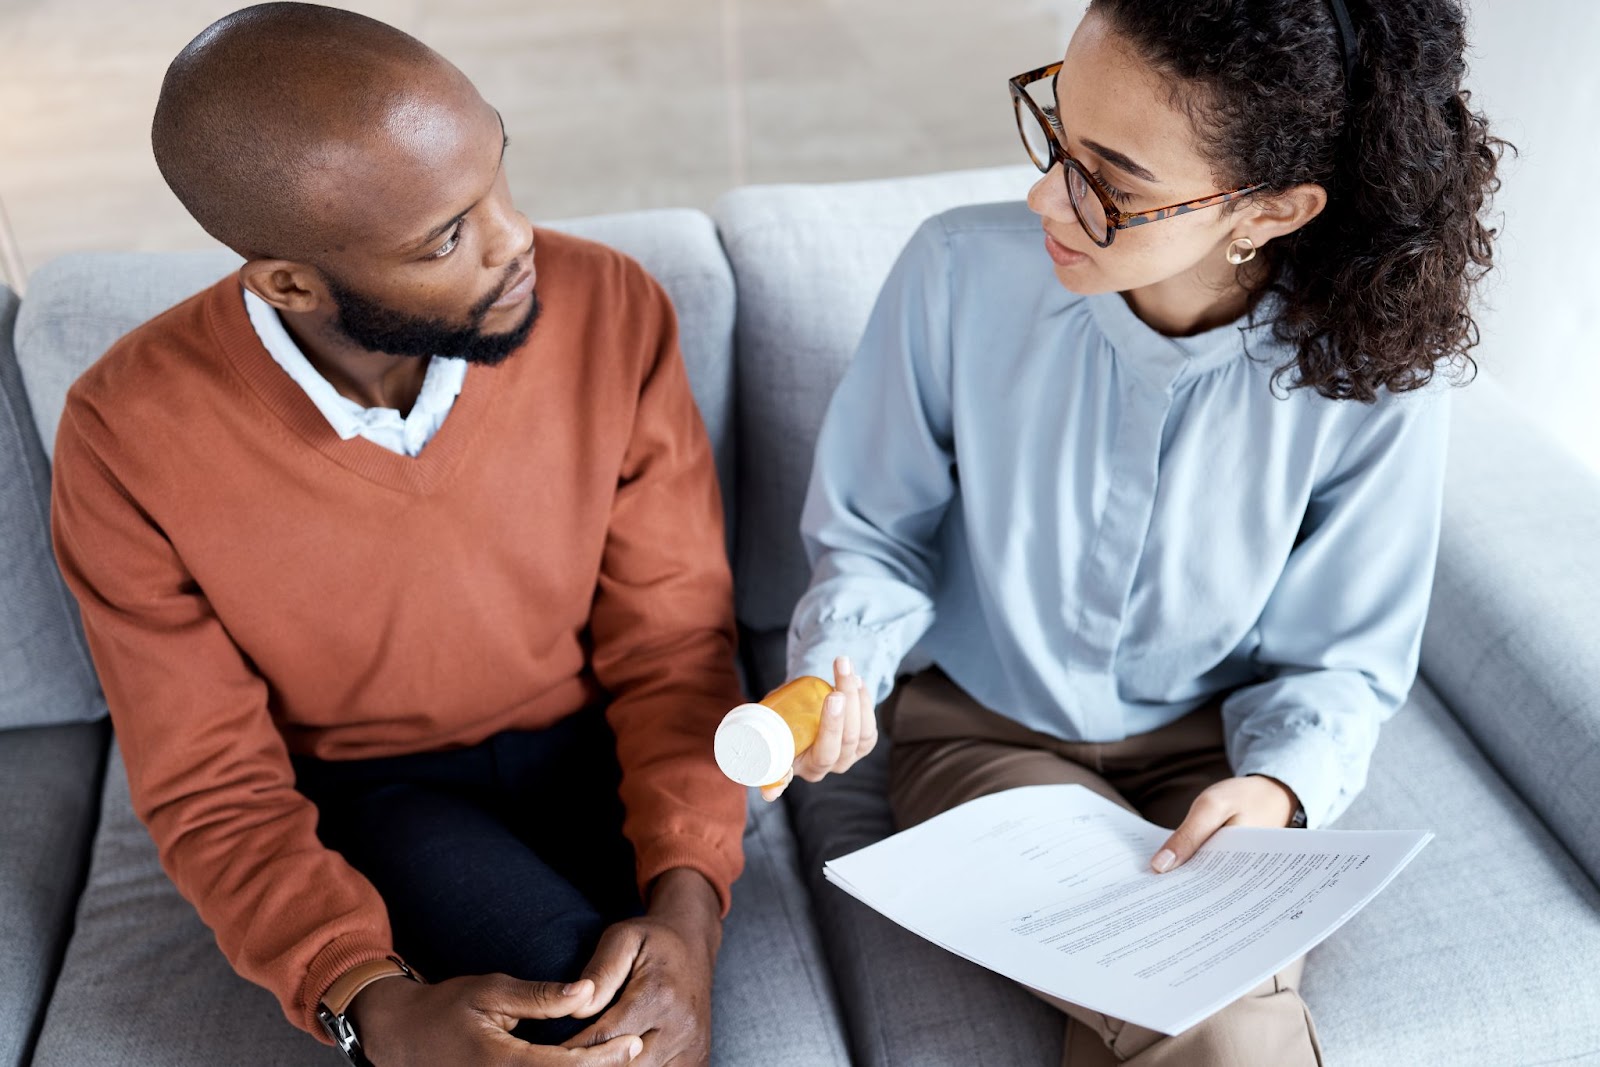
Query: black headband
{"x": 1347, "y": 41}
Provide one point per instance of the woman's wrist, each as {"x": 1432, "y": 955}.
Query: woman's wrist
{"x": 1290, "y": 802}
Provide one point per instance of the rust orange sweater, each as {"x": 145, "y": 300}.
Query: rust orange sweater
{"x": 252, "y": 586}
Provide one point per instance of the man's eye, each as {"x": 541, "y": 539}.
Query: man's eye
{"x": 449, "y": 245}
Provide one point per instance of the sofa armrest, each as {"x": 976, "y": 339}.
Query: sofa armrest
{"x": 1511, "y": 642}
{"x": 49, "y": 804}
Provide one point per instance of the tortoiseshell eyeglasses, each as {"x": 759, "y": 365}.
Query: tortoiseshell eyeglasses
{"x": 1042, "y": 135}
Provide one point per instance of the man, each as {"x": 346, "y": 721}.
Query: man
{"x": 401, "y": 564}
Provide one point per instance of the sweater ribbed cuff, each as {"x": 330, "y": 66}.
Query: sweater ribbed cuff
{"x": 337, "y": 957}
{"x": 664, "y": 853}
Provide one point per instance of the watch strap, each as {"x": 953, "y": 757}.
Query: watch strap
{"x": 344, "y": 989}
{"x": 336, "y": 1001}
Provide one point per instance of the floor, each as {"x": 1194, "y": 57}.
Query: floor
{"x": 611, "y": 104}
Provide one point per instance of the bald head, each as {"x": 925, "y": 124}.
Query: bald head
{"x": 272, "y": 119}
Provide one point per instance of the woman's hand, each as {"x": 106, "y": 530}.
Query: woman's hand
{"x": 848, "y": 732}
{"x": 1254, "y": 800}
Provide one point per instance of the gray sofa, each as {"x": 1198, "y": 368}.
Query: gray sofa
{"x": 1485, "y": 951}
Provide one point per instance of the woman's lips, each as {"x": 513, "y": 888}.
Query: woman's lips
{"x": 1060, "y": 254}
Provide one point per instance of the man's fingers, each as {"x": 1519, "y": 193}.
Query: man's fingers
{"x": 624, "y": 1017}
{"x": 772, "y": 792}
{"x": 616, "y": 1052}
{"x": 1206, "y": 816}
{"x": 609, "y": 969}
{"x": 510, "y": 1000}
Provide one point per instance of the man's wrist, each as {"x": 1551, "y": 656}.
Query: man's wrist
{"x": 342, "y": 991}
{"x": 336, "y": 1009}
{"x": 686, "y": 899}
{"x": 366, "y": 998}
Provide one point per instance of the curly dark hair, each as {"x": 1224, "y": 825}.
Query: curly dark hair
{"x": 1376, "y": 292}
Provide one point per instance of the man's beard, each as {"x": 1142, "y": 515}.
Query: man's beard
{"x": 378, "y": 328}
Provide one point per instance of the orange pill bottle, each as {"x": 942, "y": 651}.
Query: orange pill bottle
{"x": 757, "y": 743}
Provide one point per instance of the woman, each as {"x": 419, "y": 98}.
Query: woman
{"x": 1154, "y": 508}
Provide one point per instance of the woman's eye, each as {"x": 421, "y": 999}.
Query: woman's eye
{"x": 1055, "y": 119}
{"x": 1116, "y": 195}
{"x": 449, "y": 245}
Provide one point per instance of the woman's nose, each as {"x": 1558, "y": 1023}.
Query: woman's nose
{"x": 1048, "y": 196}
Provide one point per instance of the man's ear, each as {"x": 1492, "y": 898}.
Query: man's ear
{"x": 285, "y": 284}
{"x": 1283, "y": 213}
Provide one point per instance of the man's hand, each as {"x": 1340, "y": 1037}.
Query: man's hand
{"x": 1254, "y": 800}
{"x": 661, "y": 965}
{"x": 469, "y": 1020}
{"x": 849, "y": 731}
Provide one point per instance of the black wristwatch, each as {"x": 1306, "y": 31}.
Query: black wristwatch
{"x": 335, "y": 1003}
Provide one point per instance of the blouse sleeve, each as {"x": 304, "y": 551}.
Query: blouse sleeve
{"x": 882, "y": 480}
{"x": 1341, "y": 633}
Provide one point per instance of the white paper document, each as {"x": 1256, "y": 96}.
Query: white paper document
{"x": 1051, "y": 886}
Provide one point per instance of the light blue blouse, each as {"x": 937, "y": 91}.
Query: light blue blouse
{"x": 1093, "y": 528}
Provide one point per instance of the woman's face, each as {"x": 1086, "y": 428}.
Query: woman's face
{"x": 1121, "y": 123}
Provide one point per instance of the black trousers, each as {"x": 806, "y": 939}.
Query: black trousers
{"x": 503, "y": 858}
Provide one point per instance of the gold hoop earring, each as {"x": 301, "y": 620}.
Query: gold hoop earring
{"x": 1241, "y": 250}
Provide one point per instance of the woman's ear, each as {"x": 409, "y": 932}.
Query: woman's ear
{"x": 1283, "y": 213}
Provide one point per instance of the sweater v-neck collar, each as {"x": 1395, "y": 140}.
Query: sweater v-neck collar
{"x": 421, "y": 474}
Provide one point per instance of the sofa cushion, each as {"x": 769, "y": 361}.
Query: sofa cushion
{"x": 1477, "y": 954}
{"x": 144, "y": 984}
{"x": 808, "y": 261}
{"x": 681, "y": 250}
{"x": 79, "y": 304}
{"x": 49, "y": 794}
{"x": 1510, "y": 640}
{"x": 906, "y": 1001}
{"x": 45, "y": 674}
{"x": 1483, "y": 950}
{"x": 143, "y": 981}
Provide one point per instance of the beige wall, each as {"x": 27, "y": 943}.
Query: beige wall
{"x": 618, "y": 104}
{"x": 611, "y": 104}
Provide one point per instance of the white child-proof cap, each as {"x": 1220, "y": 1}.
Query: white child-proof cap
{"x": 754, "y": 745}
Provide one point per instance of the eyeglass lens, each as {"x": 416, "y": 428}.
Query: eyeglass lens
{"x": 1038, "y": 140}
{"x": 1090, "y": 208}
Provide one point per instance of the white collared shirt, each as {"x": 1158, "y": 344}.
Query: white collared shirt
{"x": 381, "y": 426}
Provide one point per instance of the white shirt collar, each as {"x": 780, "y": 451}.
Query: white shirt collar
{"x": 382, "y": 426}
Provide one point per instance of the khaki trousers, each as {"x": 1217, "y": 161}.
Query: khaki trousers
{"x": 948, "y": 749}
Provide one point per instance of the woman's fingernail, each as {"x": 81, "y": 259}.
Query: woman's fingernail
{"x": 844, "y": 665}
{"x": 569, "y": 989}
{"x": 635, "y": 1047}
{"x": 835, "y": 706}
{"x": 1164, "y": 861}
